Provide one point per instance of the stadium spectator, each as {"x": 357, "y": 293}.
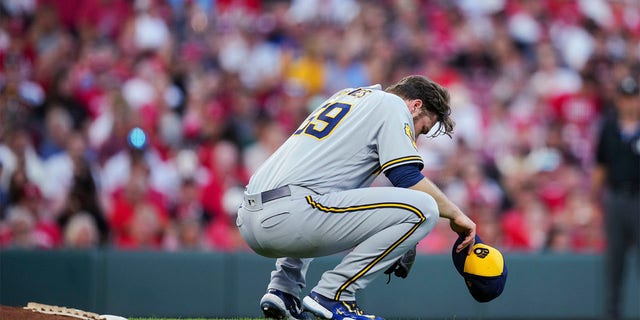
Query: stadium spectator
{"x": 526, "y": 225}
{"x": 81, "y": 232}
{"x": 79, "y": 190}
{"x": 269, "y": 137}
{"x": 58, "y": 125}
{"x": 21, "y": 162}
{"x": 221, "y": 193}
{"x": 137, "y": 212}
{"x": 188, "y": 236}
{"x": 31, "y": 224}
{"x": 18, "y": 230}
{"x": 188, "y": 218}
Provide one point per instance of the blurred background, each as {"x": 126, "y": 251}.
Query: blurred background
{"x": 135, "y": 125}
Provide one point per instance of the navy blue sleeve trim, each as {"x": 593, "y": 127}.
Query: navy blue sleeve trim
{"x": 404, "y": 176}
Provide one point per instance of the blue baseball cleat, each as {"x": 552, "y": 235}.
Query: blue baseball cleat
{"x": 326, "y": 308}
{"x": 276, "y": 304}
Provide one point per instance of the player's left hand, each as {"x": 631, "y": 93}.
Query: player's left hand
{"x": 463, "y": 225}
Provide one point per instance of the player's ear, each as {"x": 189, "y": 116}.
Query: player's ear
{"x": 418, "y": 103}
{"x": 415, "y": 106}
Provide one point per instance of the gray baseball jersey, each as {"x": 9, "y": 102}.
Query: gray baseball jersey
{"x": 344, "y": 144}
{"x": 326, "y": 168}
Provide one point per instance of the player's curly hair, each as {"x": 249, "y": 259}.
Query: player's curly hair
{"x": 435, "y": 99}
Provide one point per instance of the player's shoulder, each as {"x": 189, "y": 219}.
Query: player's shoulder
{"x": 373, "y": 97}
{"x": 375, "y": 92}
{"x": 391, "y": 103}
{"x": 361, "y": 92}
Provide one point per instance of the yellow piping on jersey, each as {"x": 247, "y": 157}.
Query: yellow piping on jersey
{"x": 368, "y": 267}
{"x": 396, "y": 161}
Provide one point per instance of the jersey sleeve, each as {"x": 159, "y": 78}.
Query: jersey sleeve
{"x": 395, "y": 138}
{"x": 404, "y": 176}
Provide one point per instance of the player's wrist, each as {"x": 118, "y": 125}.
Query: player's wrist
{"x": 451, "y": 212}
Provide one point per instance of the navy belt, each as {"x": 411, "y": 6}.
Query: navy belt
{"x": 276, "y": 193}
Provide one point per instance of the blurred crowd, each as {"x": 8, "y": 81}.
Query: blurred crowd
{"x": 136, "y": 124}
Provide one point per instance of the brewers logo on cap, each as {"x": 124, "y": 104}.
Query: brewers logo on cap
{"x": 484, "y": 270}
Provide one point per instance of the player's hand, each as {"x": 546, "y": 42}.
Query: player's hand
{"x": 462, "y": 225}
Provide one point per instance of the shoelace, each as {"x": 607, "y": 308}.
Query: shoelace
{"x": 296, "y": 307}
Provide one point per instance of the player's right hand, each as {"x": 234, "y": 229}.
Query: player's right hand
{"x": 462, "y": 225}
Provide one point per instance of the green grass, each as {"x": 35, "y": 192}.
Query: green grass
{"x": 195, "y": 318}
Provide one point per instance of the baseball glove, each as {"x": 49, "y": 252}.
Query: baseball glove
{"x": 402, "y": 267}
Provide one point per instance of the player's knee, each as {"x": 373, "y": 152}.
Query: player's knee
{"x": 426, "y": 204}
{"x": 429, "y": 210}
{"x": 430, "y": 205}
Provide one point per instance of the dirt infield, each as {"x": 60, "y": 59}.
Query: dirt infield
{"x": 18, "y": 313}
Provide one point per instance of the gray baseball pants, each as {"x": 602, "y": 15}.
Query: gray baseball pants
{"x": 375, "y": 226}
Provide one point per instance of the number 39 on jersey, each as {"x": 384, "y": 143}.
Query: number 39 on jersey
{"x": 321, "y": 123}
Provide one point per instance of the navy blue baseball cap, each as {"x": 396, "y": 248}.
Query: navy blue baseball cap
{"x": 484, "y": 270}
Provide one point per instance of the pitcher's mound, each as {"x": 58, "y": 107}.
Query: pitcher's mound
{"x": 19, "y": 313}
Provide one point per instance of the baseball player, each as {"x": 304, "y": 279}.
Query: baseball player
{"x": 313, "y": 197}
